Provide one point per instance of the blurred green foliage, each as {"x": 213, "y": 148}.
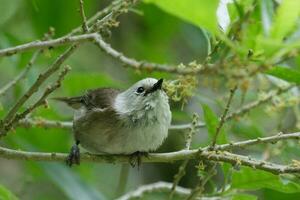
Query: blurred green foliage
{"x": 164, "y": 32}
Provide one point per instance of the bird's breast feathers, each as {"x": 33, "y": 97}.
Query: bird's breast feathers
{"x": 124, "y": 132}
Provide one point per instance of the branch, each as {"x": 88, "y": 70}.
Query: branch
{"x": 149, "y": 66}
{"x": 202, "y": 154}
{"x": 102, "y": 24}
{"x": 95, "y": 17}
{"x": 199, "y": 188}
{"x": 47, "y": 44}
{"x": 270, "y": 139}
{"x": 245, "y": 109}
{"x": 181, "y": 170}
{"x": 223, "y": 117}
{"x": 48, "y": 35}
{"x": 22, "y": 75}
{"x": 68, "y": 39}
{"x": 46, "y": 123}
{"x": 115, "y": 5}
{"x": 160, "y": 187}
{"x": 41, "y": 100}
{"x": 34, "y": 88}
{"x": 242, "y": 111}
{"x": 186, "y": 126}
{"x": 81, "y": 9}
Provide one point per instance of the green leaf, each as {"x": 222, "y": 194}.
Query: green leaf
{"x": 251, "y": 179}
{"x": 275, "y": 195}
{"x": 212, "y": 122}
{"x": 5, "y": 194}
{"x": 285, "y": 19}
{"x": 247, "y": 129}
{"x": 244, "y": 197}
{"x": 201, "y": 13}
{"x": 285, "y": 73}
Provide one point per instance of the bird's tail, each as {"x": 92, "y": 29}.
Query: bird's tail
{"x": 74, "y": 102}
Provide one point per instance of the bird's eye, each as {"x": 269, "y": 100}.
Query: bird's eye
{"x": 140, "y": 90}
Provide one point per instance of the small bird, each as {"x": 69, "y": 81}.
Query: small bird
{"x": 109, "y": 121}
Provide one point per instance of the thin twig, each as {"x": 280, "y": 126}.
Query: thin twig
{"x": 41, "y": 100}
{"x": 161, "y": 187}
{"x": 47, "y": 44}
{"x": 223, "y": 117}
{"x": 84, "y": 24}
{"x": 34, "y": 88}
{"x": 44, "y": 123}
{"x": 199, "y": 188}
{"x": 95, "y": 17}
{"x": 177, "y": 177}
{"x": 245, "y": 109}
{"x": 270, "y": 139}
{"x": 47, "y": 36}
{"x": 22, "y": 75}
{"x": 201, "y": 183}
{"x": 149, "y": 66}
{"x": 181, "y": 170}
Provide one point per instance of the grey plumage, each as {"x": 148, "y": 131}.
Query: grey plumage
{"x": 111, "y": 121}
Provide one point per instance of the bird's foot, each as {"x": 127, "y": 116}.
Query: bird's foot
{"x": 74, "y": 155}
{"x": 136, "y": 158}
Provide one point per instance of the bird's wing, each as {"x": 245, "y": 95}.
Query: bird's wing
{"x": 97, "y": 98}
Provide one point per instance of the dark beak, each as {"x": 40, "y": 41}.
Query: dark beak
{"x": 156, "y": 86}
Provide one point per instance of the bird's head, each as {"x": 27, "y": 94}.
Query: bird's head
{"x": 142, "y": 95}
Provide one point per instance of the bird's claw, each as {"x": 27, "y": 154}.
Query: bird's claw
{"x": 74, "y": 156}
{"x": 136, "y": 158}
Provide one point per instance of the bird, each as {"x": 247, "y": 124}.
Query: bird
{"x": 110, "y": 121}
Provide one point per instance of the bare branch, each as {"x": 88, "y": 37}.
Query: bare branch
{"x": 242, "y": 111}
{"x": 199, "y": 188}
{"x": 161, "y": 187}
{"x": 149, "y": 66}
{"x": 181, "y": 170}
{"x": 84, "y": 25}
{"x": 48, "y": 35}
{"x": 12, "y": 83}
{"x": 104, "y": 13}
{"x": 34, "y": 88}
{"x": 177, "y": 177}
{"x": 245, "y": 109}
{"x": 223, "y": 117}
{"x": 270, "y": 139}
{"x": 47, "y": 44}
{"x": 44, "y": 123}
{"x": 41, "y": 100}
{"x": 201, "y": 154}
